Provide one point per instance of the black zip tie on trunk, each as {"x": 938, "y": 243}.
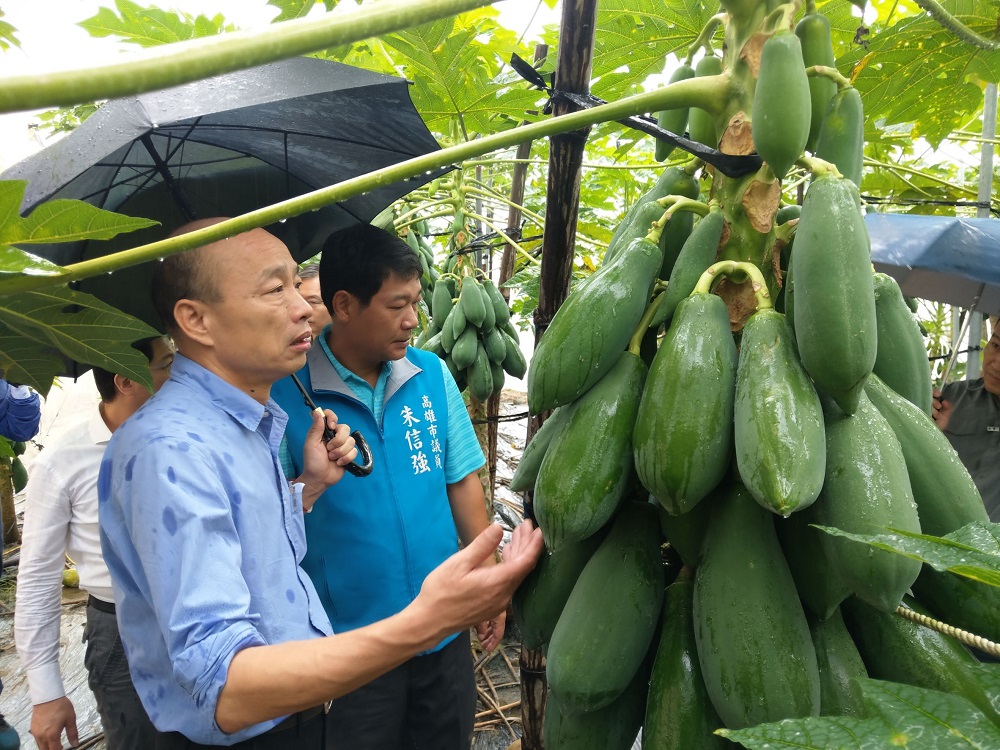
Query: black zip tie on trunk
{"x": 729, "y": 164}
{"x": 503, "y": 418}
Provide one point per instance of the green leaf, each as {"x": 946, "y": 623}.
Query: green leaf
{"x": 6, "y": 449}
{"x": 151, "y": 27}
{"x": 973, "y": 551}
{"x": 58, "y": 220}
{"x": 15, "y": 260}
{"x": 28, "y": 361}
{"x": 80, "y": 326}
{"x": 899, "y": 716}
{"x": 298, "y": 8}
{"x": 7, "y": 38}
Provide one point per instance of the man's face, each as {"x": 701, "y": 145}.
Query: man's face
{"x": 160, "y": 362}
{"x": 320, "y": 317}
{"x": 991, "y": 364}
{"x": 382, "y": 329}
{"x": 259, "y": 327}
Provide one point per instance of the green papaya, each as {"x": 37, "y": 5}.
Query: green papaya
{"x": 497, "y": 376}
{"x": 495, "y": 344}
{"x": 787, "y": 213}
{"x": 701, "y": 125}
{"x": 895, "y": 649}
{"x": 673, "y": 120}
{"x": 581, "y": 346}
{"x": 587, "y": 466}
{"x": 609, "y": 620}
{"x": 472, "y": 302}
{"x": 782, "y": 108}
{"x": 501, "y": 312}
{"x": 479, "y": 374}
{"x": 901, "y": 359}
{"x": 531, "y": 458}
{"x": 778, "y": 420}
{"x": 465, "y": 349}
{"x": 947, "y": 499}
{"x": 813, "y": 32}
{"x": 699, "y": 252}
{"x": 514, "y": 362}
{"x": 866, "y": 491}
{"x": 819, "y": 587}
{"x": 835, "y": 322}
{"x": 433, "y": 344}
{"x": 840, "y": 667}
{"x": 685, "y": 423}
{"x": 540, "y": 598}
{"x": 19, "y": 447}
{"x": 637, "y": 220}
{"x": 613, "y": 727}
{"x": 679, "y": 713}
{"x": 842, "y": 136}
{"x": 754, "y": 646}
{"x": 18, "y": 474}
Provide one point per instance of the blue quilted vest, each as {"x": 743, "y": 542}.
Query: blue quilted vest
{"x": 372, "y": 540}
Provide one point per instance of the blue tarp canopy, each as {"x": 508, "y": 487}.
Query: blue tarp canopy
{"x": 940, "y": 258}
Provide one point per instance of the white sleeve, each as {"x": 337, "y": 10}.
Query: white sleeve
{"x": 38, "y": 605}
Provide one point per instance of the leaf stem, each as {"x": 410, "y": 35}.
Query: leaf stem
{"x": 734, "y": 269}
{"x": 705, "y": 37}
{"x": 640, "y": 332}
{"x": 959, "y": 29}
{"x": 505, "y": 236}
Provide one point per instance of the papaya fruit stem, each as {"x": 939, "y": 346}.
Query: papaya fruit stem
{"x": 640, "y": 332}
{"x": 673, "y": 204}
{"x": 786, "y": 232}
{"x": 705, "y": 37}
{"x": 825, "y": 71}
{"x": 818, "y": 167}
{"x": 780, "y": 19}
{"x": 810, "y": 7}
{"x": 693, "y": 166}
{"x": 737, "y": 271}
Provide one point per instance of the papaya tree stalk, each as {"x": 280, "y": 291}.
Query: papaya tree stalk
{"x": 635, "y": 342}
{"x": 736, "y": 271}
{"x": 692, "y": 92}
{"x": 193, "y": 60}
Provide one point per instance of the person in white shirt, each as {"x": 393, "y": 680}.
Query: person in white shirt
{"x": 61, "y": 517}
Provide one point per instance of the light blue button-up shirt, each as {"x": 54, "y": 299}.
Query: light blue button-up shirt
{"x": 203, "y": 540}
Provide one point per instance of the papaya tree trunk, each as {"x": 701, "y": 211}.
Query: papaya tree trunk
{"x": 11, "y": 535}
{"x": 576, "y": 52}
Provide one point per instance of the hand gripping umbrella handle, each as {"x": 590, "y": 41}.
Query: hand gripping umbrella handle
{"x": 362, "y": 469}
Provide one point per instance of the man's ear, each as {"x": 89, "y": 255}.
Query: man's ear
{"x": 344, "y": 305}
{"x": 124, "y": 385}
{"x": 193, "y": 321}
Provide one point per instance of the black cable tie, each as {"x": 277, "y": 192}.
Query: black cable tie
{"x": 503, "y": 418}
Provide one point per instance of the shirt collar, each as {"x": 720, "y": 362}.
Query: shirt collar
{"x": 244, "y": 409}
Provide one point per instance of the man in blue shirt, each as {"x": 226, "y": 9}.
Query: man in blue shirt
{"x": 226, "y": 639}
{"x": 371, "y": 541}
{"x": 20, "y": 412}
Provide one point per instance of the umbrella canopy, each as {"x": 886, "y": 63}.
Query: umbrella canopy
{"x": 224, "y": 146}
{"x": 945, "y": 259}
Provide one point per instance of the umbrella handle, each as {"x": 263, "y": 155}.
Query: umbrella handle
{"x": 367, "y": 463}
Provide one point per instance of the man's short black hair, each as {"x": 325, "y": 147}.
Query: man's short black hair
{"x": 106, "y": 380}
{"x": 358, "y": 259}
{"x": 177, "y": 277}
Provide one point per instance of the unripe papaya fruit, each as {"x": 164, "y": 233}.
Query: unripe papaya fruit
{"x": 778, "y": 419}
{"x": 842, "y": 137}
{"x": 835, "y": 322}
{"x": 754, "y": 646}
{"x": 685, "y": 424}
{"x": 18, "y": 474}
{"x": 866, "y": 491}
{"x": 480, "y": 375}
{"x": 840, "y": 667}
{"x": 609, "y": 620}
{"x": 701, "y": 125}
{"x": 613, "y": 727}
{"x": 820, "y": 589}
{"x": 531, "y": 458}
{"x": 782, "y": 108}
{"x": 901, "y": 359}
{"x": 673, "y": 120}
{"x": 588, "y": 464}
{"x": 813, "y": 32}
{"x": 472, "y": 302}
{"x": 580, "y": 347}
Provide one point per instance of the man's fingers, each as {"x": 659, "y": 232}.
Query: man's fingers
{"x": 482, "y": 546}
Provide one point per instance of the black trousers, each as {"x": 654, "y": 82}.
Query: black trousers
{"x": 427, "y": 703}
{"x": 305, "y": 730}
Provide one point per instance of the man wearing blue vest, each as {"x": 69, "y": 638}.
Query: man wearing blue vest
{"x": 372, "y": 540}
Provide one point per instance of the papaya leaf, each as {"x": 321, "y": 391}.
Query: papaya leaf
{"x": 6, "y": 449}
{"x": 7, "y": 34}
{"x": 82, "y": 327}
{"x": 899, "y": 716}
{"x": 15, "y": 260}
{"x": 59, "y": 220}
{"x": 28, "y": 361}
{"x": 298, "y": 8}
{"x": 151, "y": 27}
{"x": 972, "y": 551}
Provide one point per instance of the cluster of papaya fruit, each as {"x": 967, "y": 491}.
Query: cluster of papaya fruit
{"x": 740, "y": 430}
{"x": 470, "y": 329}
{"x": 18, "y": 473}
{"x": 416, "y": 237}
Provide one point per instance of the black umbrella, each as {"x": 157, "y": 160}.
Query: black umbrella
{"x": 224, "y": 146}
